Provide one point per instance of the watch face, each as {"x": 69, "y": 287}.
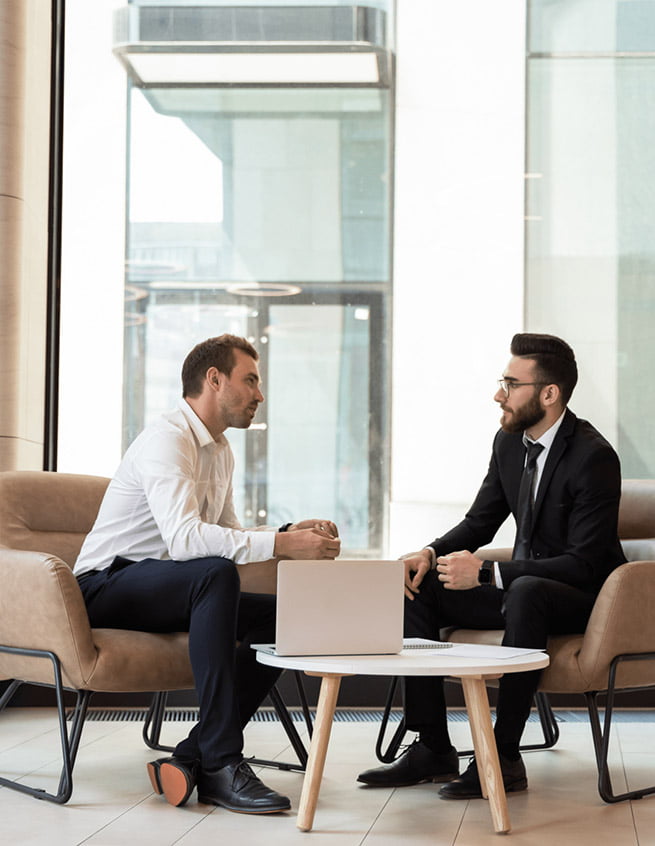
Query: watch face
{"x": 484, "y": 576}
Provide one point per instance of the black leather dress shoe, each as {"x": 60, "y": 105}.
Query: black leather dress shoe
{"x": 467, "y": 786}
{"x": 237, "y": 788}
{"x": 174, "y": 777}
{"x": 417, "y": 764}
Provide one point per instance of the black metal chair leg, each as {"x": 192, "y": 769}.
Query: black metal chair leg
{"x": 601, "y": 735}
{"x": 157, "y": 711}
{"x": 8, "y": 695}
{"x": 77, "y": 723}
{"x": 153, "y": 722}
{"x": 292, "y": 734}
{"x": 69, "y": 741}
{"x": 548, "y": 722}
{"x": 390, "y": 754}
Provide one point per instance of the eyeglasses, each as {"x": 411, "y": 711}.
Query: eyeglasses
{"x": 506, "y": 386}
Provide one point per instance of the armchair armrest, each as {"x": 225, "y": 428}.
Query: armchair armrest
{"x": 622, "y": 623}
{"x": 41, "y": 607}
{"x": 258, "y": 577}
{"x": 495, "y": 554}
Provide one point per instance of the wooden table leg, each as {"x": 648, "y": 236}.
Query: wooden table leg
{"x": 327, "y": 702}
{"x": 486, "y": 753}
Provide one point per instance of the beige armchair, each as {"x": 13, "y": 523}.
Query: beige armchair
{"x": 617, "y": 651}
{"x": 45, "y": 636}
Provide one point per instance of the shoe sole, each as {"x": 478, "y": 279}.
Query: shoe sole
{"x": 437, "y": 779}
{"x": 208, "y": 800}
{"x": 153, "y": 775}
{"x": 170, "y": 781}
{"x": 516, "y": 787}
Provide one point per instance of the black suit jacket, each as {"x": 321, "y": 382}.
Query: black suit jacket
{"x": 575, "y": 517}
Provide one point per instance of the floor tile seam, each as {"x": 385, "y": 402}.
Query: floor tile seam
{"x": 55, "y": 759}
{"x": 369, "y": 830}
{"x": 202, "y": 819}
{"x": 31, "y": 739}
{"x": 118, "y": 816}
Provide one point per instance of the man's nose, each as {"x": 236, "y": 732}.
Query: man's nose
{"x": 259, "y": 395}
{"x": 500, "y": 396}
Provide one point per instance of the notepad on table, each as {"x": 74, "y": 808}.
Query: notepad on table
{"x": 424, "y": 643}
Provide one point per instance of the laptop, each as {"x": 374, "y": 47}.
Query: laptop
{"x": 339, "y": 607}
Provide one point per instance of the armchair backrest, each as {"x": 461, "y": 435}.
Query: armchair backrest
{"x": 48, "y": 512}
{"x": 53, "y": 512}
{"x": 637, "y": 509}
{"x": 637, "y": 519}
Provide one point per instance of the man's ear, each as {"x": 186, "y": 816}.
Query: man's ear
{"x": 550, "y": 394}
{"x": 214, "y": 377}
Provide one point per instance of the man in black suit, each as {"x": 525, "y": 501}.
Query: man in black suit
{"x": 562, "y": 482}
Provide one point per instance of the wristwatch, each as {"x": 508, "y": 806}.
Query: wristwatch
{"x": 486, "y": 573}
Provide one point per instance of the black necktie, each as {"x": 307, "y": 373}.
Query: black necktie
{"x": 526, "y": 497}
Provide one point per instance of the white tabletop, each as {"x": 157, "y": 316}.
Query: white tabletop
{"x": 470, "y": 660}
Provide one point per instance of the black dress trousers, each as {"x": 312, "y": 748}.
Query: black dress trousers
{"x": 531, "y": 609}
{"x": 201, "y": 597}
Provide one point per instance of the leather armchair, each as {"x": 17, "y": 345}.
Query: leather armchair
{"x": 45, "y": 635}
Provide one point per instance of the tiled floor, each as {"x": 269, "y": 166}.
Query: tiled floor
{"x": 113, "y": 805}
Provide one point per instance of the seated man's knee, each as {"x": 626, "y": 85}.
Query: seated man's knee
{"x": 526, "y": 584}
{"x": 525, "y": 591}
{"x": 220, "y": 573}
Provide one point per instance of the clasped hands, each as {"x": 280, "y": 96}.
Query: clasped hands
{"x": 308, "y": 539}
{"x": 457, "y": 571}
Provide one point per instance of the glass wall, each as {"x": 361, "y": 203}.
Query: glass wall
{"x": 590, "y": 271}
{"x": 265, "y": 211}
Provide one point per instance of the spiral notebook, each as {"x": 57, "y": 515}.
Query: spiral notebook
{"x": 423, "y": 643}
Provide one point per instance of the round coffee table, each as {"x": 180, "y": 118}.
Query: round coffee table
{"x": 472, "y": 664}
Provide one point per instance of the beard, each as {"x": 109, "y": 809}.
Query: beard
{"x": 524, "y": 417}
{"x": 242, "y": 419}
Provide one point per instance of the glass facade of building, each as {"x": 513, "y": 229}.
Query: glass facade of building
{"x": 266, "y": 209}
{"x": 591, "y": 204}
{"x": 292, "y": 251}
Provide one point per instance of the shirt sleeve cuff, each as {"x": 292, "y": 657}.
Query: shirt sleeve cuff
{"x": 498, "y": 579}
{"x": 262, "y": 546}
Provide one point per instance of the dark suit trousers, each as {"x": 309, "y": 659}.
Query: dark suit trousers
{"x": 531, "y": 609}
{"x": 201, "y": 597}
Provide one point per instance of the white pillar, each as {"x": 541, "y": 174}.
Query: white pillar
{"x": 24, "y": 190}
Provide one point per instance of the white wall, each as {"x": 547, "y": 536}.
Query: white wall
{"x": 458, "y": 265}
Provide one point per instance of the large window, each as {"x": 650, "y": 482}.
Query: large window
{"x": 591, "y": 206}
{"x": 261, "y": 210}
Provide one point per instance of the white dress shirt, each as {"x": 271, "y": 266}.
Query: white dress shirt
{"x": 546, "y": 440}
{"x": 171, "y": 497}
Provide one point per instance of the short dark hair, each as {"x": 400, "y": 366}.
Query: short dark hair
{"x": 554, "y": 360}
{"x": 214, "y": 352}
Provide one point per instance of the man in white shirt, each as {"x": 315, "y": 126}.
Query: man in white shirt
{"x": 163, "y": 556}
{"x": 561, "y": 480}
